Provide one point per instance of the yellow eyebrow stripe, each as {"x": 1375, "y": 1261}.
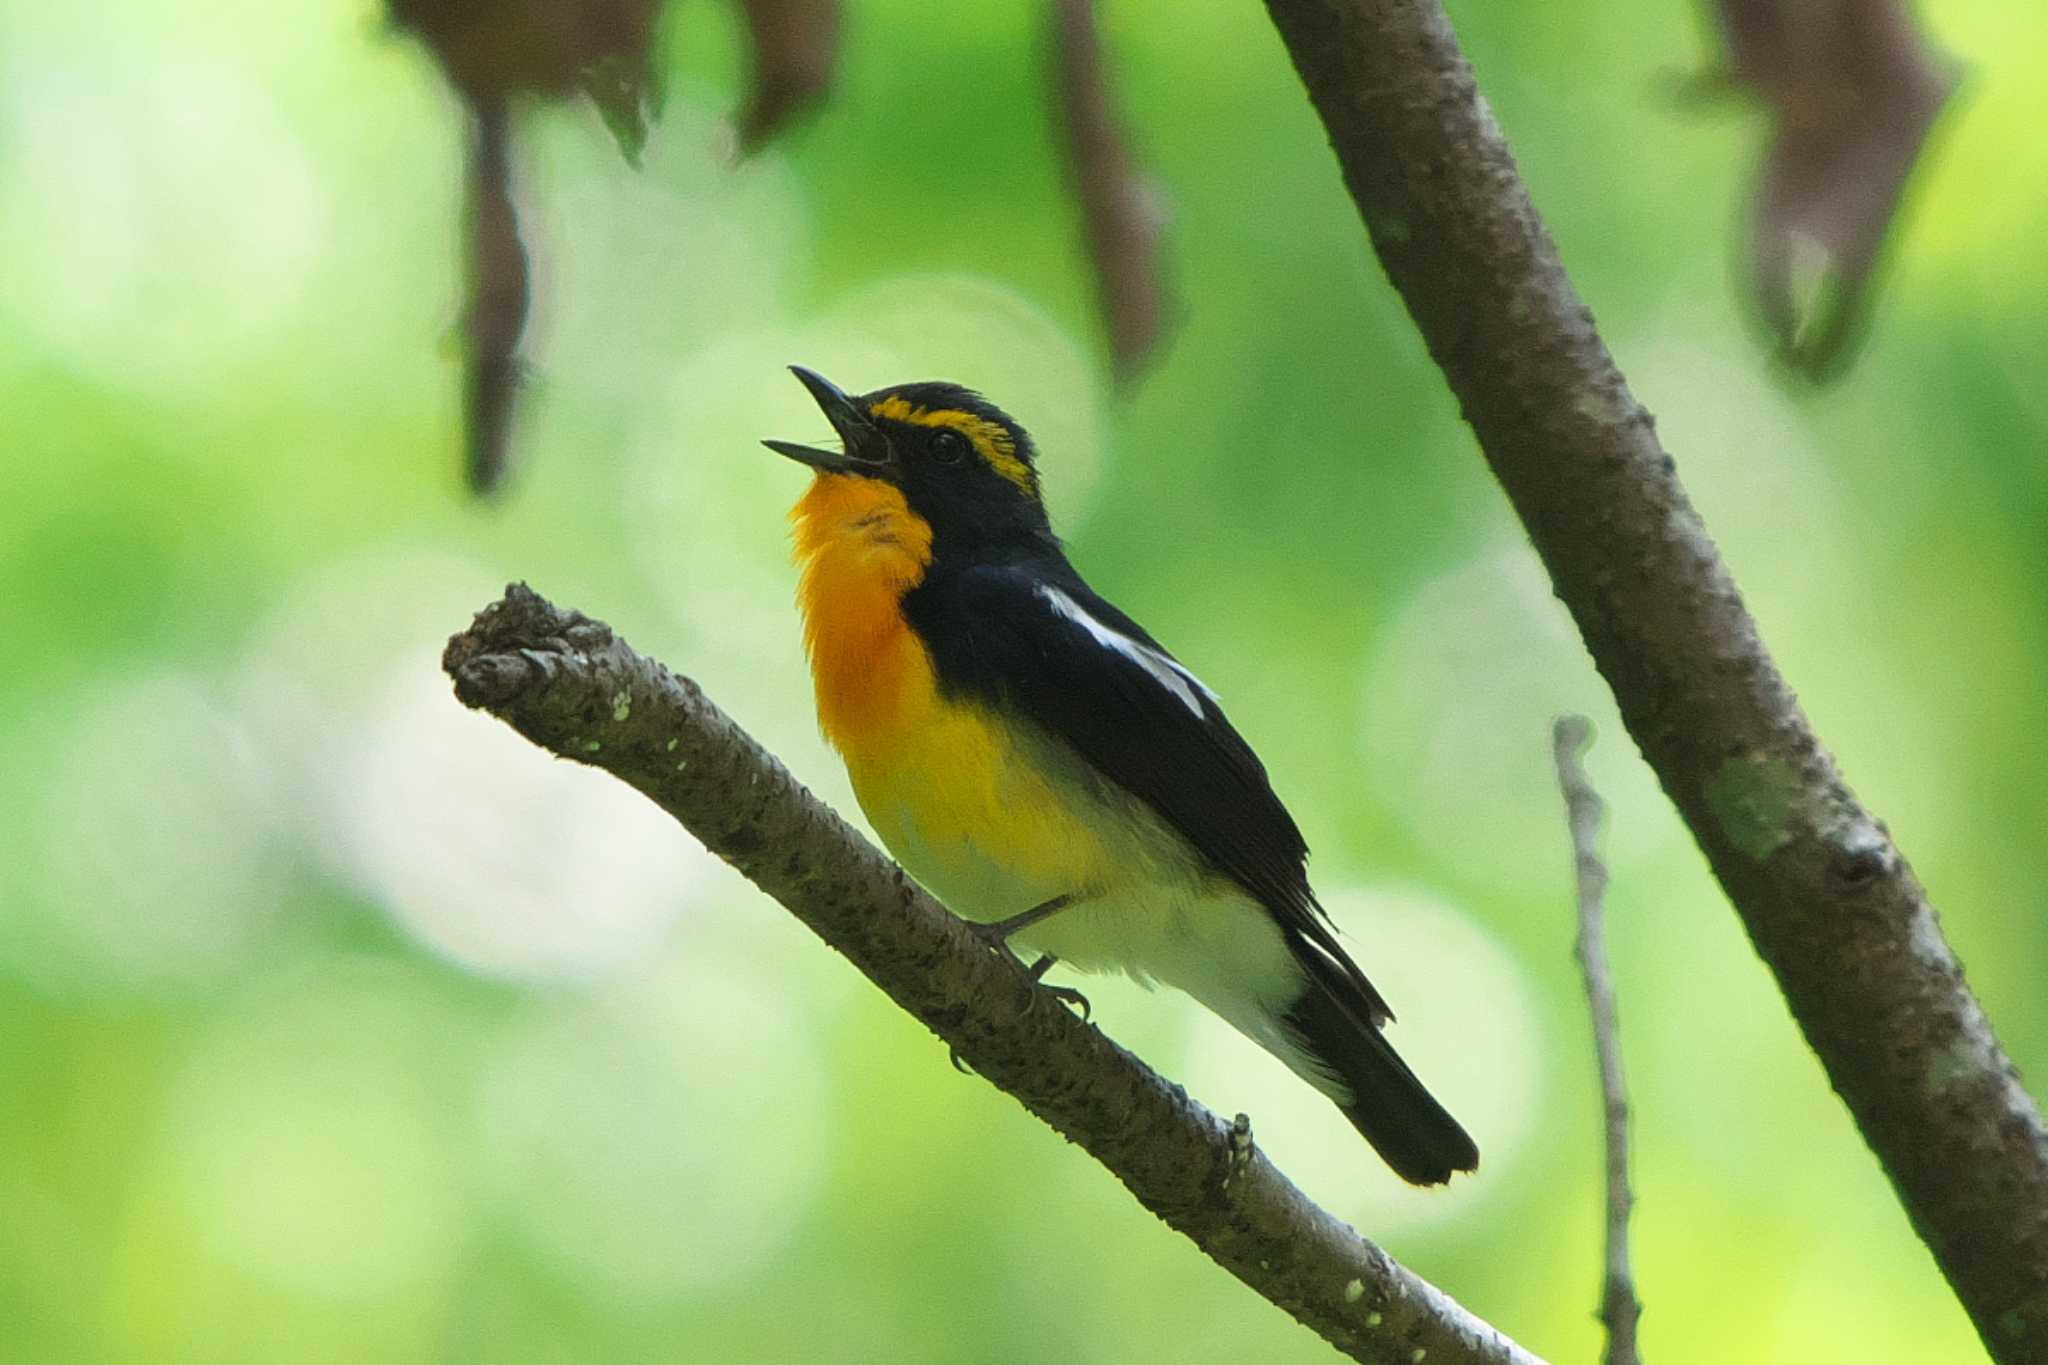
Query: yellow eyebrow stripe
{"x": 989, "y": 439}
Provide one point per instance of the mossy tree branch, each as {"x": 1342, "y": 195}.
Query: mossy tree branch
{"x": 572, "y": 687}
{"x": 1827, "y": 898}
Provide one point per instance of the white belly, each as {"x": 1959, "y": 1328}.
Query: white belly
{"x": 1151, "y": 912}
{"x": 1144, "y": 904}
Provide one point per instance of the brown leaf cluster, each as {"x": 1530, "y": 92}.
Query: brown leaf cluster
{"x": 501, "y": 54}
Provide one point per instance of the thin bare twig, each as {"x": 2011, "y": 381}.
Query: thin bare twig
{"x": 1123, "y": 210}
{"x": 1620, "y": 1310}
{"x": 573, "y": 687}
{"x": 1825, "y": 894}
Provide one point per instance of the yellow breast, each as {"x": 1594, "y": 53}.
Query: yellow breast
{"x": 945, "y": 785}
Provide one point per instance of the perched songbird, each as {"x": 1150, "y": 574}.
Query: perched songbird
{"x": 1047, "y": 770}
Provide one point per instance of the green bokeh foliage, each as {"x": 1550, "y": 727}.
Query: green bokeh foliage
{"x": 253, "y": 1108}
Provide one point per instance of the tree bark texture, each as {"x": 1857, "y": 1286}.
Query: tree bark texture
{"x": 1825, "y": 895}
{"x": 572, "y": 687}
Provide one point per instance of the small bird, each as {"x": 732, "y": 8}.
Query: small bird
{"x": 1049, "y": 771}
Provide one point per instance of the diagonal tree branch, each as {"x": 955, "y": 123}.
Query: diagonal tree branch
{"x": 571, "y": 686}
{"x": 1827, "y": 899}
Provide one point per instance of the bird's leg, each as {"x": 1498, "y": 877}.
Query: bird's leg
{"x": 997, "y": 935}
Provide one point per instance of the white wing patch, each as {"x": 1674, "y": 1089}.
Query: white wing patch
{"x": 1167, "y": 672}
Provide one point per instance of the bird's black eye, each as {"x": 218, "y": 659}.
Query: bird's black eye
{"x": 948, "y": 447}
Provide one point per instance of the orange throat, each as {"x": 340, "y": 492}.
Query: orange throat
{"x": 861, "y": 548}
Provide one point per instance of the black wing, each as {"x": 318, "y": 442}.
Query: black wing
{"x": 1036, "y": 639}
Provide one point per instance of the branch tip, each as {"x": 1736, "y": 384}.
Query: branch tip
{"x": 570, "y": 685}
{"x": 489, "y": 682}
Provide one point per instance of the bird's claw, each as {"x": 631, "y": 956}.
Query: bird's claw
{"x": 1071, "y": 998}
{"x": 1066, "y": 995}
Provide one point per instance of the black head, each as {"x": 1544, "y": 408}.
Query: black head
{"x": 963, "y": 464}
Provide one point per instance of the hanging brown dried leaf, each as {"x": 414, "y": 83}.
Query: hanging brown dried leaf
{"x": 1854, "y": 87}
{"x": 1123, "y": 211}
{"x": 530, "y": 47}
{"x": 494, "y": 52}
{"x": 795, "y": 57}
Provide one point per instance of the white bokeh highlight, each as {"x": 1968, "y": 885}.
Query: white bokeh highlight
{"x": 644, "y": 266}
{"x": 496, "y": 855}
{"x": 1460, "y": 694}
{"x": 487, "y": 850}
{"x": 171, "y": 209}
{"x": 313, "y": 668}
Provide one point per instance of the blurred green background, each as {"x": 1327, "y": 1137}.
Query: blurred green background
{"x": 338, "y": 1025}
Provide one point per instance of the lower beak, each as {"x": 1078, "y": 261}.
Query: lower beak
{"x": 866, "y": 448}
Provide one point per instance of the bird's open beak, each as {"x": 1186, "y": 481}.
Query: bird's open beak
{"x": 866, "y": 448}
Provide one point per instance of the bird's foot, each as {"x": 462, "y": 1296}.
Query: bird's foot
{"x": 996, "y": 938}
{"x": 1066, "y": 995}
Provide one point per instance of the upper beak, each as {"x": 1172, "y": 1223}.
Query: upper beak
{"x": 866, "y": 448}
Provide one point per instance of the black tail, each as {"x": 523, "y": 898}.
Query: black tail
{"x": 1337, "y": 1023}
